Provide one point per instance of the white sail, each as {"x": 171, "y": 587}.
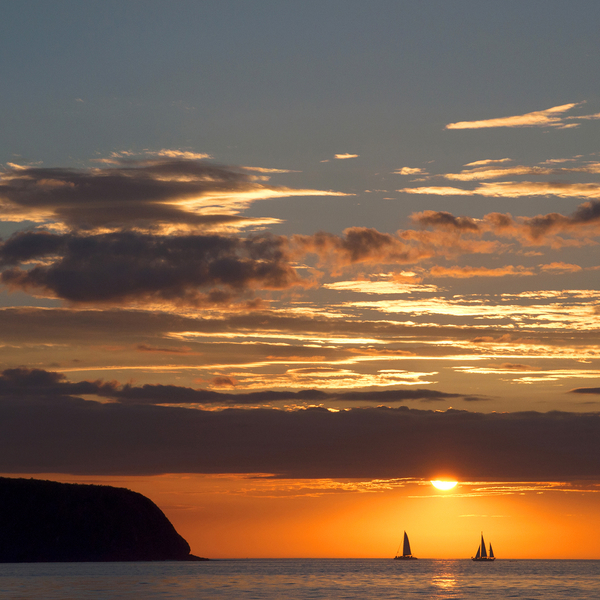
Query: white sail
{"x": 406, "y": 547}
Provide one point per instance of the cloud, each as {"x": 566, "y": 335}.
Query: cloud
{"x": 586, "y": 218}
{"x": 468, "y": 272}
{"x": 513, "y": 189}
{"x": 488, "y": 161}
{"x": 267, "y": 170}
{"x": 487, "y": 173}
{"x": 345, "y": 156}
{"x": 410, "y": 171}
{"x": 117, "y": 266}
{"x": 170, "y": 394}
{"x": 63, "y": 435}
{"x": 515, "y": 367}
{"x": 37, "y": 382}
{"x": 357, "y": 245}
{"x": 171, "y": 350}
{"x": 585, "y": 391}
{"x": 437, "y": 190}
{"x": 444, "y": 219}
{"x": 185, "y": 154}
{"x": 558, "y": 268}
{"x": 173, "y": 189}
{"x": 551, "y": 117}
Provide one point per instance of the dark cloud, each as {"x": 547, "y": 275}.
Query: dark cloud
{"x": 541, "y": 225}
{"x": 532, "y": 228}
{"x": 356, "y": 245}
{"x": 587, "y": 212}
{"x": 431, "y": 218}
{"x": 425, "y": 395}
{"x": 74, "y": 436}
{"x": 130, "y": 193}
{"x": 37, "y": 382}
{"x": 170, "y": 394}
{"x": 171, "y": 350}
{"x": 585, "y": 391}
{"x": 128, "y": 265}
{"x": 44, "y": 383}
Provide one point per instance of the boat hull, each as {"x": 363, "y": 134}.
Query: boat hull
{"x": 405, "y": 558}
{"x": 484, "y": 559}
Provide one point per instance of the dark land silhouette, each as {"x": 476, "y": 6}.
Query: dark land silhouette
{"x": 46, "y": 521}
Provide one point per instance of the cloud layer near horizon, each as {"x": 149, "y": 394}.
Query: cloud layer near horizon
{"x": 69, "y": 435}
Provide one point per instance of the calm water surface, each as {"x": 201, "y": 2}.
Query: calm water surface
{"x": 303, "y": 578}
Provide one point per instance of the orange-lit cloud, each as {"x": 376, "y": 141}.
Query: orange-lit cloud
{"x": 551, "y": 117}
{"x": 539, "y": 229}
{"x": 488, "y": 161}
{"x": 560, "y": 267}
{"x": 410, "y": 171}
{"x": 487, "y": 173}
{"x": 468, "y": 272}
{"x": 267, "y": 170}
{"x": 512, "y": 189}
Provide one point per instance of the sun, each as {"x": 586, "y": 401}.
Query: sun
{"x": 443, "y": 485}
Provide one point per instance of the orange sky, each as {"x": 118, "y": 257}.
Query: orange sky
{"x": 254, "y": 517}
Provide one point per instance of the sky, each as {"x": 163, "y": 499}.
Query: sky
{"x": 277, "y": 265}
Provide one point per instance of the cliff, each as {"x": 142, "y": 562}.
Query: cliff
{"x": 45, "y": 521}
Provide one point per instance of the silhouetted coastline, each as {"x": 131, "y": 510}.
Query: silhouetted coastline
{"x": 47, "y": 521}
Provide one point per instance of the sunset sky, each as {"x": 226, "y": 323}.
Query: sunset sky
{"x": 277, "y": 265}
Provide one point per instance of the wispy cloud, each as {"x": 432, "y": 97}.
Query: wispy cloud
{"x": 410, "y": 171}
{"x": 551, "y": 117}
{"x": 469, "y": 272}
{"x": 488, "y": 161}
{"x": 487, "y": 173}
{"x": 514, "y": 189}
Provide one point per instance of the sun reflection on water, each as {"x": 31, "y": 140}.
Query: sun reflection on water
{"x": 445, "y": 581}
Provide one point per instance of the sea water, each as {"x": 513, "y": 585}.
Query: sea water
{"x": 302, "y": 578}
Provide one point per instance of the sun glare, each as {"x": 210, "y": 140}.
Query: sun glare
{"x": 443, "y": 485}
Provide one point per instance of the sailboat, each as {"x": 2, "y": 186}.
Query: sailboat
{"x": 482, "y": 554}
{"x": 406, "y": 553}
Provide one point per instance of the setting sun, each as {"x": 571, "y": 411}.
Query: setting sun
{"x": 443, "y": 485}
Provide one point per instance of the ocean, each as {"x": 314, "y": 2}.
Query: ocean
{"x": 302, "y": 578}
